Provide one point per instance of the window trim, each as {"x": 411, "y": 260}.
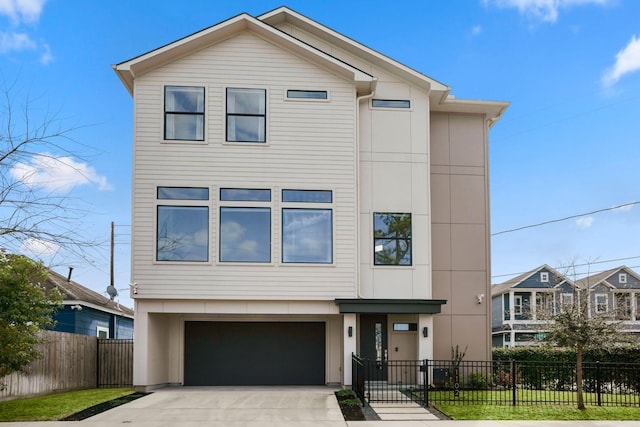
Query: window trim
{"x": 597, "y": 304}
{"x": 227, "y": 114}
{"x": 517, "y": 305}
{"x": 193, "y": 203}
{"x": 102, "y": 329}
{"x": 622, "y": 278}
{"x": 229, "y": 203}
{"x": 544, "y": 277}
{"x": 309, "y": 206}
{"x": 306, "y": 99}
{"x": 410, "y": 240}
{"x": 398, "y": 104}
{"x": 202, "y": 114}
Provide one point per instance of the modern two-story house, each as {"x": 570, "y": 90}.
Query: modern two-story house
{"x": 299, "y": 197}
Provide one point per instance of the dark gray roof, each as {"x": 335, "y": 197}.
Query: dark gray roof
{"x": 73, "y": 291}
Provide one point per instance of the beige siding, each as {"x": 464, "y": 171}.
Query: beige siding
{"x": 460, "y": 230}
{"x": 310, "y": 145}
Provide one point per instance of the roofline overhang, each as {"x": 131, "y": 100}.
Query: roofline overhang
{"x": 493, "y": 110}
{"x": 284, "y": 14}
{"x": 128, "y": 70}
{"x": 96, "y": 307}
{"x": 390, "y": 306}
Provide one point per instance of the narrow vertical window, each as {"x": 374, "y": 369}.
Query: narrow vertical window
{"x": 184, "y": 113}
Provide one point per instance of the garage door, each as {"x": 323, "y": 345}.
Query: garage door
{"x": 254, "y": 353}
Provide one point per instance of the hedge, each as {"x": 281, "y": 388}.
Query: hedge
{"x": 613, "y": 354}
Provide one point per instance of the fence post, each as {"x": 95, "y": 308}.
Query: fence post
{"x": 98, "y": 362}
{"x": 598, "y": 385}
{"x": 425, "y": 380}
{"x": 513, "y": 382}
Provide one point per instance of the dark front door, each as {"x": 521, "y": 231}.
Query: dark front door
{"x": 373, "y": 344}
{"x": 254, "y": 353}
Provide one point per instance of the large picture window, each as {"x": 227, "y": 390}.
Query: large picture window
{"x": 245, "y": 228}
{"x": 182, "y": 232}
{"x": 307, "y": 227}
{"x": 392, "y": 238}
{"x": 184, "y": 113}
{"x": 246, "y": 115}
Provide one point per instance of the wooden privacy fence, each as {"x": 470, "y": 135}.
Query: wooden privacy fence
{"x": 72, "y": 361}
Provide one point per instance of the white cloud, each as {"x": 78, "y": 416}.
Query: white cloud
{"x": 476, "y": 30}
{"x": 627, "y": 61}
{"x": 545, "y": 10}
{"x": 46, "y": 58}
{"x": 585, "y": 222}
{"x": 625, "y": 208}
{"x": 17, "y": 11}
{"x": 57, "y": 173}
{"x": 39, "y": 247}
{"x": 15, "y": 42}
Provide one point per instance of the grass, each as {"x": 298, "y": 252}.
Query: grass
{"x": 53, "y": 407}
{"x": 535, "y": 412}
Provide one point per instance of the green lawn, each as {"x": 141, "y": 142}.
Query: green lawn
{"x": 53, "y": 407}
{"x": 535, "y": 412}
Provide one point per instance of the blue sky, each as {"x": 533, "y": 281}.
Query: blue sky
{"x": 568, "y": 144}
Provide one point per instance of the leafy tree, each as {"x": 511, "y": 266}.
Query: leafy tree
{"x": 25, "y": 309}
{"x": 392, "y": 233}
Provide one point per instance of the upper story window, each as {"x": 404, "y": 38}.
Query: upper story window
{"x": 307, "y": 226}
{"x": 391, "y": 103}
{"x": 182, "y": 230}
{"x": 622, "y": 277}
{"x": 307, "y": 94}
{"x": 246, "y": 115}
{"x": 544, "y": 277}
{"x": 392, "y": 238}
{"x": 184, "y": 113}
{"x": 245, "y": 225}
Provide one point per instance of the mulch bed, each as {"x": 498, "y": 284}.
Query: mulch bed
{"x": 350, "y": 407}
{"x": 101, "y": 407}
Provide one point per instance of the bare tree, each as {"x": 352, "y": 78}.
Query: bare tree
{"x": 32, "y": 142}
{"x": 571, "y": 323}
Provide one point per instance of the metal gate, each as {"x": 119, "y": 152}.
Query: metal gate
{"x": 114, "y": 363}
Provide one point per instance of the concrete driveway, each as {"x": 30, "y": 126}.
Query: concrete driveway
{"x": 264, "y": 407}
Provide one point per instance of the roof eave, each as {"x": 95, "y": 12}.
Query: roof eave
{"x": 493, "y": 110}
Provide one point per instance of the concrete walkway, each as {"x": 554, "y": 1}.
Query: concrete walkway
{"x": 270, "y": 407}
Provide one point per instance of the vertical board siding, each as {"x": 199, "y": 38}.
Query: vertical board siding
{"x": 72, "y": 362}
{"x": 68, "y": 362}
{"x": 310, "y": 145}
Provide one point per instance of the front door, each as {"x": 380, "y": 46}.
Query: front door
{"x": 373, "y": 344}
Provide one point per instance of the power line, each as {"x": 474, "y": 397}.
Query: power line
{"x": 575, "y": 265}
{"x": 565, "y": 218}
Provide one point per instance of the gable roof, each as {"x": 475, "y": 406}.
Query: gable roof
{"x": 439, "y": 93}
{"x": 512, "y": 283}
{"x": 74, "y": 293}
{"x": 128, "y": 70}
{"x": 595, "y": 279}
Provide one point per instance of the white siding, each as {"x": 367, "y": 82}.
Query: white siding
{"x": 310, "y": 145}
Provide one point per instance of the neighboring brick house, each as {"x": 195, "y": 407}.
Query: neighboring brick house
{"x": 299, "y": 197}
{"x": 86, "y": 312}
{"x": 516, "y": 319}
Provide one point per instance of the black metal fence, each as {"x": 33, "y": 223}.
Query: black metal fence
{"x": 494, "y": 382}
{"x": 114, "y": 363}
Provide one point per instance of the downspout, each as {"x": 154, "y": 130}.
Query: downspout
{"x": 359, "y": 99}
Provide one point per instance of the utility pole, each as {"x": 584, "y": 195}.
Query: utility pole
{"x": 112, "y": 245}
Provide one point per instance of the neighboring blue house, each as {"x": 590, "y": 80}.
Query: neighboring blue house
{"x": 87, "y": 312}
{"x": 516, "y": 302}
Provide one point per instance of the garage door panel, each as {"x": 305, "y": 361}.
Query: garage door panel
{"x": 254, "y": 353}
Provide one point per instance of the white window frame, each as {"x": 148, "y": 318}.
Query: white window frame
{"x": 622, "y": 278}
{"x": 102, "y": 329}
{"x": 597, "y": 304}
{"x": 544, "y": 277}
{"x": 517, "y": 305}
